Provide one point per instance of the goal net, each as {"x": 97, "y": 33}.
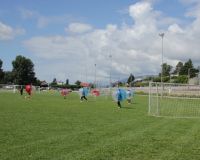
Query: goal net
{"x": 174, "y": 100}
{"x": 15, "y": 88}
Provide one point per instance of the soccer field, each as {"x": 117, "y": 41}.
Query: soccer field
{"x": 52, "y": 128}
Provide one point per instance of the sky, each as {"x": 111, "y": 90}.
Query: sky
{"x": 66, "y": 38}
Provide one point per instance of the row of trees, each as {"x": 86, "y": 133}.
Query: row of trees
{"x": 181, "y": 73}
{"x": 181, "y": 69}
{"x": 56, "y": 84}
{"x": 21, "y": 74}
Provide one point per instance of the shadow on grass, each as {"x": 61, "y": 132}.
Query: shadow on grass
{"x": 134, "y": 103}
{"x": 128, "y": 107}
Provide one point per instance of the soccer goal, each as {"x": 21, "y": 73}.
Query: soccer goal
{"x": 15, "y": 88}
{"x": 174, "y": 100}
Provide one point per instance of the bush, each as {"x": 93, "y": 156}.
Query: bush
{"x": 181, "y": 79}
{"x": 156, "y": 79}
{"x": 141, "y": 84}
{"x": 141, "y": 93}
{"x": 72, "y": 87}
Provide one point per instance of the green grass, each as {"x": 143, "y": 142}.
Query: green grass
{"x": 52, "y": 128}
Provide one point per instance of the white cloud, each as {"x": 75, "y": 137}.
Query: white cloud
{"x": 8, "y": 33}
{"x": 44, "y": 21}
{"x": 78, "y": 28}
{"x": 175, "y": 28}
{"x": 134, "y": 48}
{"x": 28, "y": 14}
{"x": 189, "y": 1}
{"x": 140, "y": 10}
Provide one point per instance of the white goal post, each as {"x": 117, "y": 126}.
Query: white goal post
{"x": 15, "y": 88}
{"x": 174, "y": 100}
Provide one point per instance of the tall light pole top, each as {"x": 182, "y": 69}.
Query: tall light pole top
{"x": 162, "y": 34}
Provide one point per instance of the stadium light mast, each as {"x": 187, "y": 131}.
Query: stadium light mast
{"x": 162, "y": 37}
{"x": 110, "y": 56}
{"x": 86, "y": 74}
{"x": 199, "y": 74}
{"x": 95, "y": 75}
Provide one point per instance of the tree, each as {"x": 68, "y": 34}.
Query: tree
{"x": 166, "y": 69}
{"x": 37, "y": 82}
{"x": 23, "y": 70}
{"x": 1, "y": 71}
{"x": 181, "y": 79}
{"x": 8, "y": 77}
{"x": 157, "y": 79}
{"x": 185, "y": 69}
{"x": 192, "y": 72}
{"x": 188, "y": 69}
{"x": 78, "y": 83}
{"x": 54, "y": 81}
{"x": 67, "y": 82}
{"x": 120, "y": 84}
{"x": 131, "y": 79}
{"x": 178, "y": 68}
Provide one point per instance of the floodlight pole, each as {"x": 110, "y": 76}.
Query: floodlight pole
{"x": 86, "y": 73}
{"x": 162, "y": 36}
{"x": 110, "y": 56}
{"x": 95, "y": 76}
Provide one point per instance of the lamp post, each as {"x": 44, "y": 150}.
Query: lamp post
{"x": 110, "y": 56}
{"x": 95, "y": 75}
{"x": 86, "y": 74}
{"x": 162, "y": 36}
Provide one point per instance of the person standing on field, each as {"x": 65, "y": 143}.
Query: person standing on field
{"x": 84, "y": 92}
{"x": 119, "y": 98}
{"x": 21, "y": 90}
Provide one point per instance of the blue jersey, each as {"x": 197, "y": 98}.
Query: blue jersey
{"x": 121, "y": 94}
{"x": 85, "y": 91}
